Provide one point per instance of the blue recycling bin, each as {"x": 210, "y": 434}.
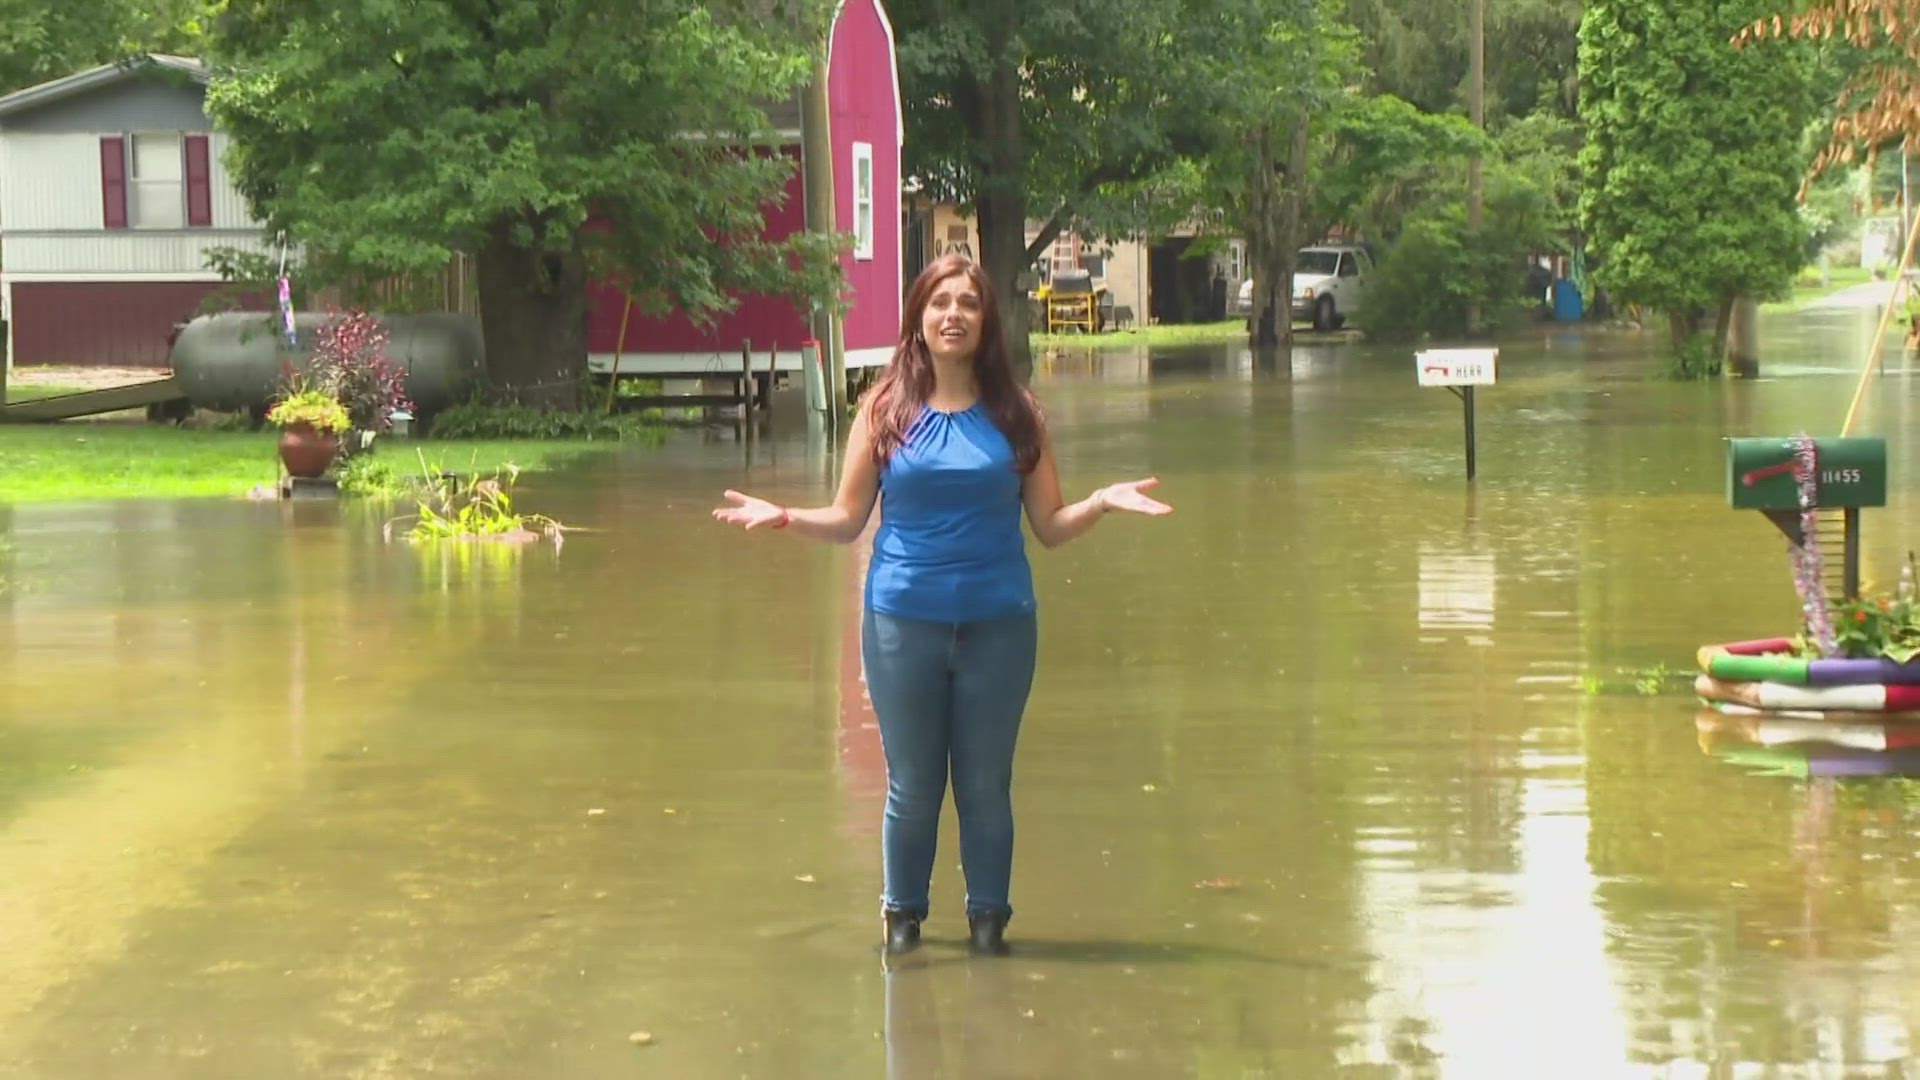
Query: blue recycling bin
{"x": 1566, "y": 301}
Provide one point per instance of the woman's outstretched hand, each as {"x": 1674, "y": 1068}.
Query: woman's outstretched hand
{"x": 751, "y": 513}
{"x": 1131, "y": 496}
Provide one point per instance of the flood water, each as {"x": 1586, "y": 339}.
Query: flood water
{"x": 1339, "y": 770}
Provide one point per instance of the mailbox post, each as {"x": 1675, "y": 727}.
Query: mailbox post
{"x": 1459, "y": 370}
{"x": 1849, "y": 474}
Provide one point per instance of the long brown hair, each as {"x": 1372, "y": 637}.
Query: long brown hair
{"x": 897, "y": 398}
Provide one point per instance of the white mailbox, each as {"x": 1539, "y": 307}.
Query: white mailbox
{"x": 1455, "y": 367}
{"x": 1459, "y": 370}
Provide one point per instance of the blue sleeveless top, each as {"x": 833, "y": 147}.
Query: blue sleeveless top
{"x": 949, "y": 546}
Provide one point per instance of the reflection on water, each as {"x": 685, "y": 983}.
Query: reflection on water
{"x": 1314, "y": 780}
{"x": 1790, "y": 746}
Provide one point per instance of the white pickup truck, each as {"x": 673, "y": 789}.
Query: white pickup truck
{"x": 1329, "y": 284}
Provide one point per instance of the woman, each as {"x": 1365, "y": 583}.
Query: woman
{"x": 953, "y": 447}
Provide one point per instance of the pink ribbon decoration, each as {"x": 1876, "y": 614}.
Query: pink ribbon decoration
{"x": 286, "y": 308}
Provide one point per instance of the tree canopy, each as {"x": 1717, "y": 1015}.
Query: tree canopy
{"x": 549, "y": 138}
{"x": 1691, "y": 161}
{"x": 42, "y": 40}
{"x": 1418, "y": 52}
{"x": 1025, "y": 111}
{"x": 1878, "y": 101}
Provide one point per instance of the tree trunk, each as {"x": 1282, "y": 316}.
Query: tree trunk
{"x": 533, "y": 317}
{"x": 1003, "y": 250}
{"x": 1262, "y": 243}
{"x": 1293, "y": 205}
{"x": 1743, "y": 338}
{"x": 1696, "y": 334}
{"x": 1274, "y": 235}
{"x": 1681, "y": 324}
{"x": 1002, "y": 211}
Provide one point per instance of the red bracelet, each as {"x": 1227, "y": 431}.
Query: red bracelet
{"x": 786, "y": 518}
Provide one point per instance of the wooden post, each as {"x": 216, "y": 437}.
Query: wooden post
{"x": 1850, "y": 566}
{"x": 746, "y": 388}
{"x": 1467, "y": 397}
{"x": 613, "y": 376}
{"x": 766, "y": 396}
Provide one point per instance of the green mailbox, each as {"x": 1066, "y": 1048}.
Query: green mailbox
{"x": 1852, "y": 472}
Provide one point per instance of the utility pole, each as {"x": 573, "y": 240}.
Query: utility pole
{"x": 1898, "y": 299}
{"x": 1477, "y": 111}
{"x": 816, "y": 152}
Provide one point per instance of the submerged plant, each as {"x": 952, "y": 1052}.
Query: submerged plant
{"x": 1641, "y": 682}
{"x": 474, "y": 508}
{"x": 369, "y": 477}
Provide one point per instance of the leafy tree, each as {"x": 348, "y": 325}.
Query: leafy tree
{"x": 549, "y": 138}
{"x": 1282, "y": 69}
{"x": 46, "y": 39}
{"x": 1408, "y": 192}
{"x": 1366, "y": 163}
{"x": 1300, "y": 71}
{"x": 1418, "y": 52}
{"x": 1877, "y": 100}
{"x": 1440, "y": 270}
{"x": 1382, "y": 167}
{"x": 1690, "y": 164}
{"x": 1028, "y": 111}
{"x": 1387, "y": 158}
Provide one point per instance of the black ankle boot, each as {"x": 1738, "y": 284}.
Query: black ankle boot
{"x": 986, "y": 934}
{"x": 903, "y": 931}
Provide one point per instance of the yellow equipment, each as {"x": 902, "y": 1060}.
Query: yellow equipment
{"x": 1072, "y": 302}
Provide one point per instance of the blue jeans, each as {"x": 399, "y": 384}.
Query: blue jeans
{"x": 948, "y": 696}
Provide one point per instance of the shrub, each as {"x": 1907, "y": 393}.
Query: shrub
{"x": 350, "y": 361}
{"x": 475, "y": 421}
{"x": 476, "y": 508}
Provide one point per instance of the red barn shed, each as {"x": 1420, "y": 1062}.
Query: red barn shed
{"x": 863, "y": 91}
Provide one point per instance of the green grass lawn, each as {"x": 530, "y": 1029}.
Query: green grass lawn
{"x": 112, "y": 460}
{"x": 36, "y": 391}
{"x": 1807, "y": 287}
{"x": 1158, "y": 336}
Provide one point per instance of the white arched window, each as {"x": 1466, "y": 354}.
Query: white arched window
{"x": 862, "y": 200}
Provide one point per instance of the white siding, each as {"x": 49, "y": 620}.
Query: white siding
{"x": 123, "y": 252}
{"x": 51, "y": 220}
{"x": 229, "y": 209}
{"x": 49, "y": 182}
{"x": 53, "y": 182}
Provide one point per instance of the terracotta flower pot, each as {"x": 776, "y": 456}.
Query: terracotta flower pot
{"x": 305, "y": 451}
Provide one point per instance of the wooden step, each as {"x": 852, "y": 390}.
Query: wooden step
{"x": 93, "y": 402}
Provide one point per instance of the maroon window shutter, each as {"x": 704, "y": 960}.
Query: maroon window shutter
{"x": 199, "y": 194}
{"x": 113, "y": 181}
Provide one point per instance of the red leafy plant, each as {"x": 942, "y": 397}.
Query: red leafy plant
{"x": 350, "y": 362}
